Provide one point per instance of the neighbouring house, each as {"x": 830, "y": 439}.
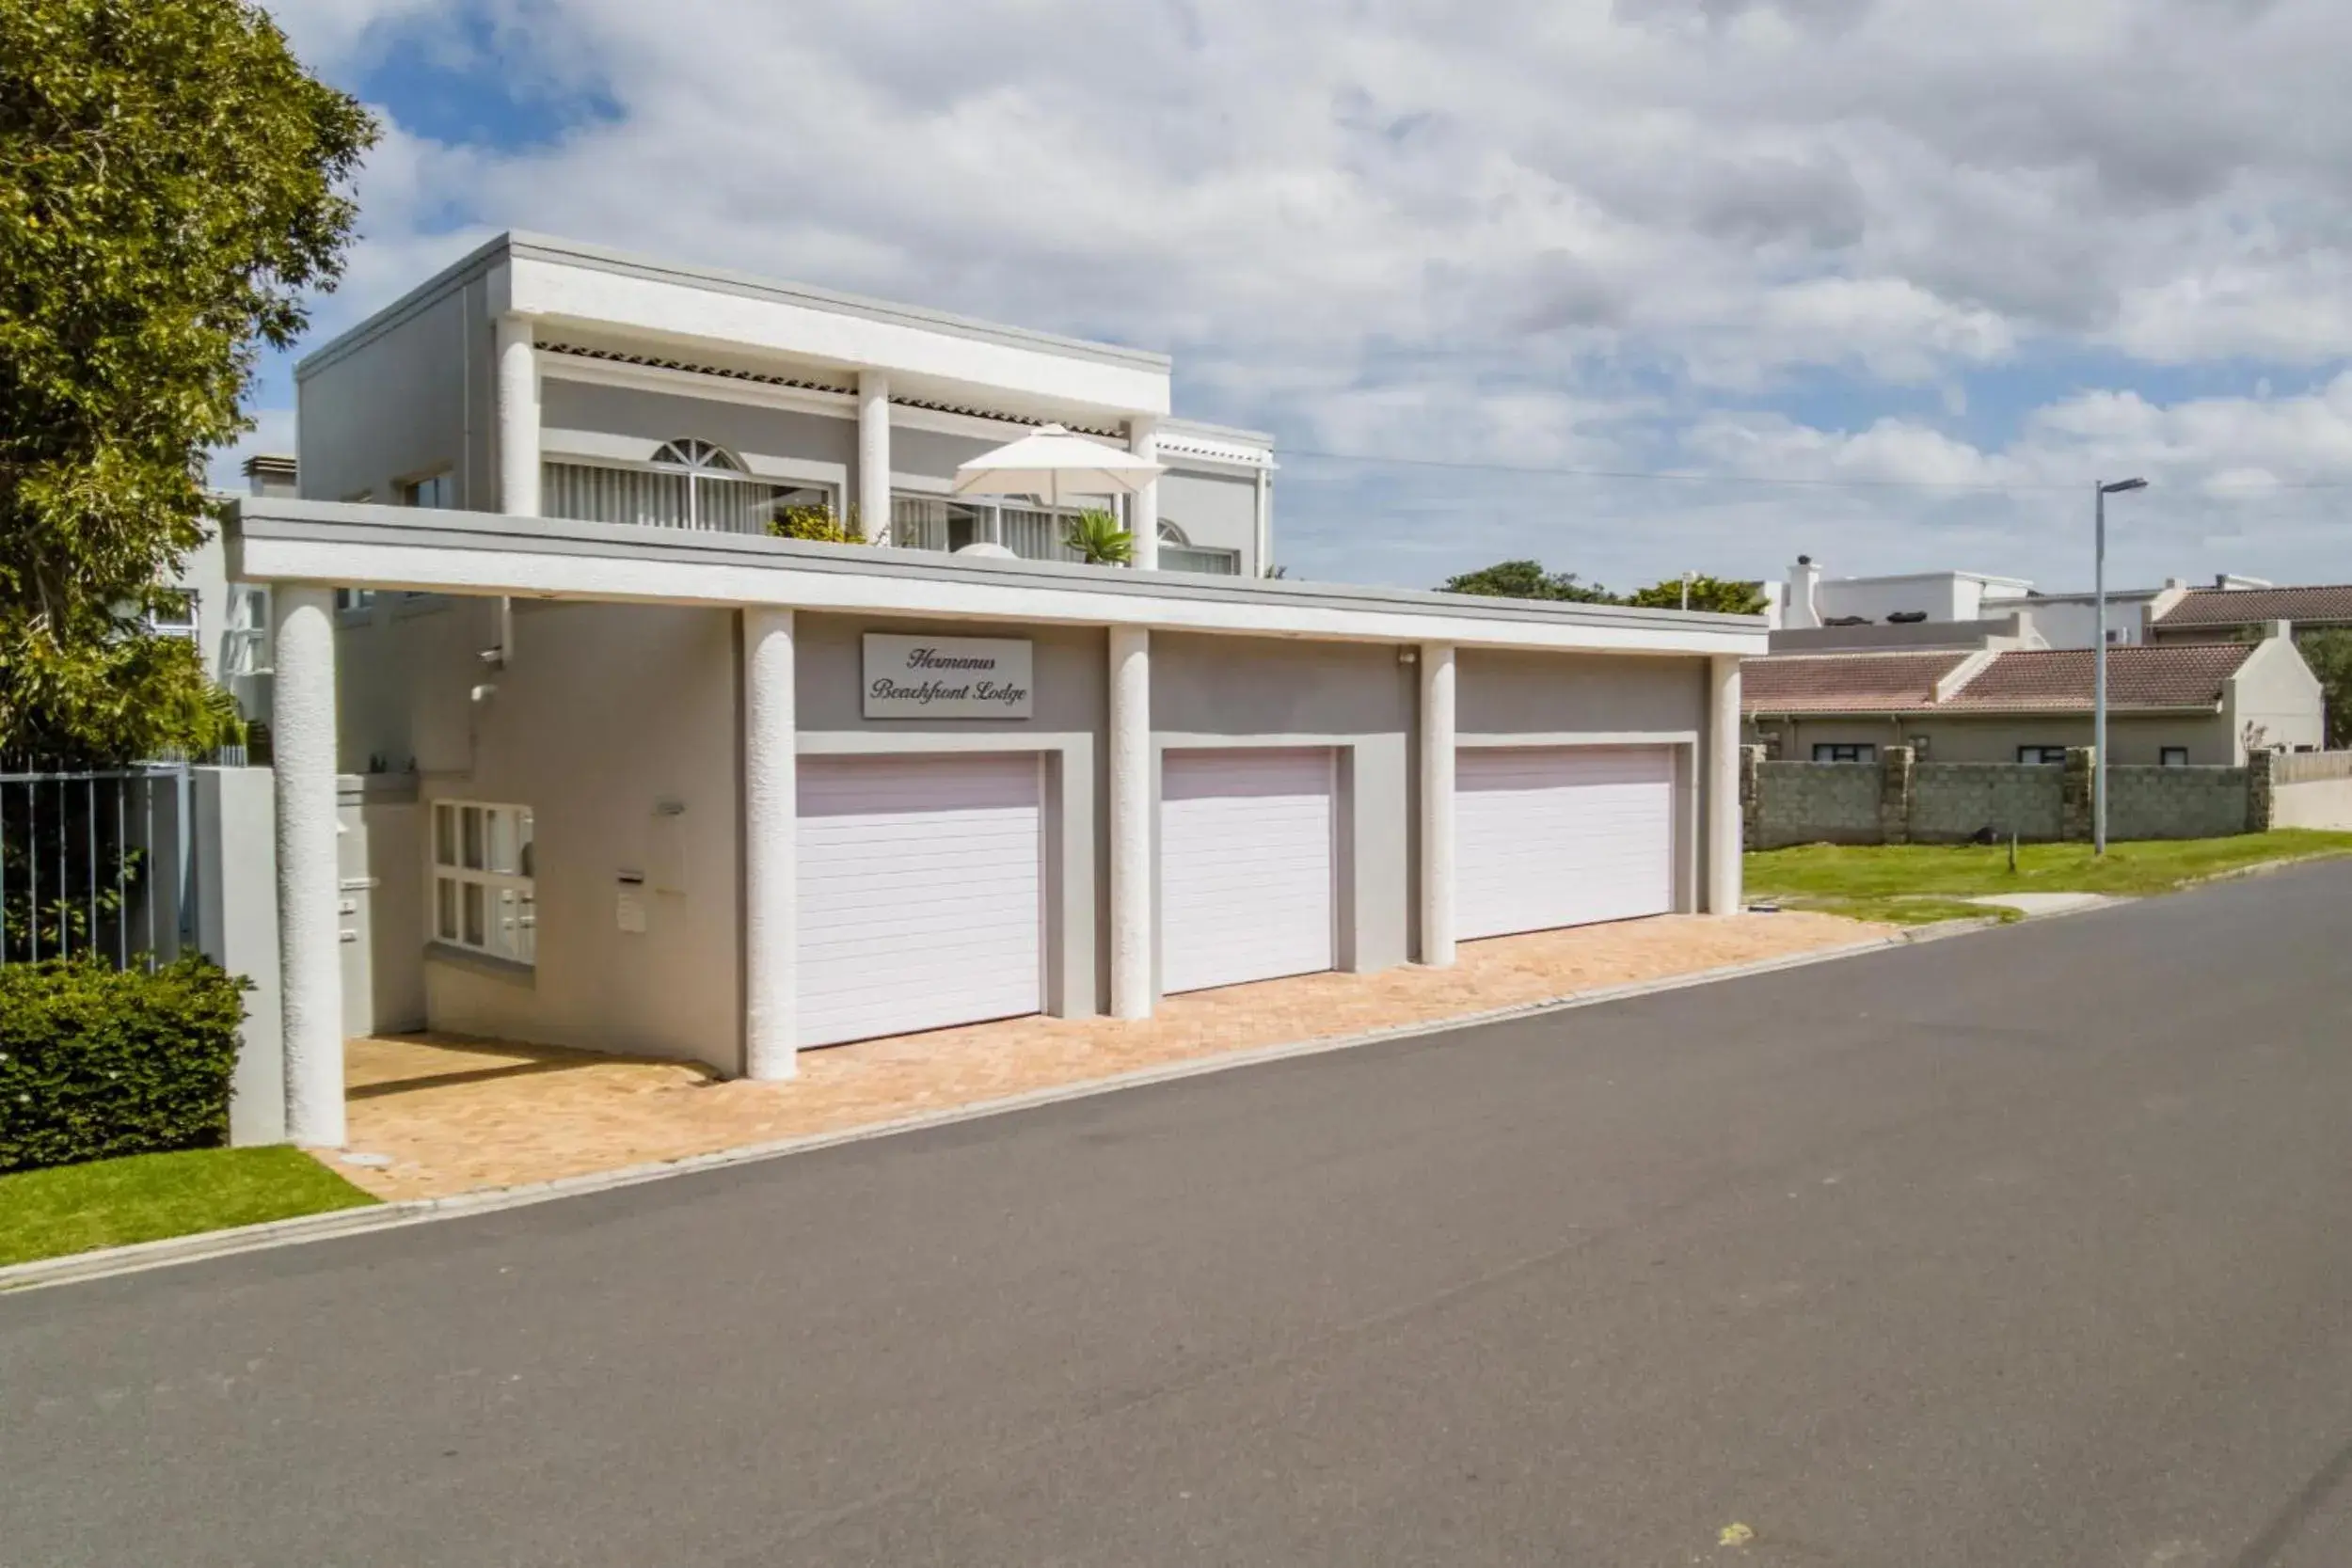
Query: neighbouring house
{"x": 228, "y": 621}
{"x": 646, "y": 780}
{"x": 1920, "y": 610}
{"x": 2179, "y": 704}
{"x": 2234, "y": 609}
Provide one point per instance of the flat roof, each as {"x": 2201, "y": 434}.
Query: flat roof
{"x": 349, "y": 544}
{"x": 543, "y": 247}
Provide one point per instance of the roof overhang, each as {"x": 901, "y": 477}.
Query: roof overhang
{"x": 928, "y": 353}
{"x": 613, "y": 298}
{"x": 2195, "y": 710}
{"x": 330, "y": 544}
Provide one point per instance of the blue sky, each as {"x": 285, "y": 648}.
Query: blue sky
{"x": 1870, "y": 245}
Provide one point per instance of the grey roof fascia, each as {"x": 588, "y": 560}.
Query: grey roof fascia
{"x": 356, "y": 523}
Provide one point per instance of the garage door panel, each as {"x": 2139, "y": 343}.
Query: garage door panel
{"x": 1246, "y": 867}
{"x": 1552, "y": 836}
{"x": 920, "y": 893}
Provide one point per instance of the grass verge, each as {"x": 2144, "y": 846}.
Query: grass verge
{"x": 146, "y": 1198}
{"x": 1914, "y": 883}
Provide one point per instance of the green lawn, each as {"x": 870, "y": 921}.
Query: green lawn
{"x": 1918, "y": 882}
{"x": 47, "y": 1214}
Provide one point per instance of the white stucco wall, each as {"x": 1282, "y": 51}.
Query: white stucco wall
{"x": 2275, "y": 701}
{"x": 1943, "y": 595}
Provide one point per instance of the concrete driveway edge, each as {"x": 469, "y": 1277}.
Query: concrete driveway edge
{"x": 105, "y": 1263}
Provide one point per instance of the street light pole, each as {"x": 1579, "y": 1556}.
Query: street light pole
{"x": 2099, "y": 665}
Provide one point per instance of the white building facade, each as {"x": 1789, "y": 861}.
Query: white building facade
{"x": 620, "y": 771}
{"x": 539, "y": 377}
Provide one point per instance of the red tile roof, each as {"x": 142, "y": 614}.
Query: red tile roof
{"x": 2238, "y": 607}
{"x": 2059, "y": 680}
{"x": 1843, "y": 683}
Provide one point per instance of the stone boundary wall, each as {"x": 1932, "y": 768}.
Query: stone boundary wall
{"x": 1900, "y": 800}
{"x": 1814, "y": 802}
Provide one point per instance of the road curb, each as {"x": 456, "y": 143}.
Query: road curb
{"x": 79, "y": 1267}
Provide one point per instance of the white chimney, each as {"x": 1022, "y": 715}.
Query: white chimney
{"x": 1804, "y": 607}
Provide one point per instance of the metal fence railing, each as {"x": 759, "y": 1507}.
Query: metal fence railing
{"x": 97, "y": 865}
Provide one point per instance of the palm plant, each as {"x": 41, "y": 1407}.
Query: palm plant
{"x": 1098, "y": 539}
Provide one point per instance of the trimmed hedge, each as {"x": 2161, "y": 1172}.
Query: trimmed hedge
{"x": 96, "y": 1063}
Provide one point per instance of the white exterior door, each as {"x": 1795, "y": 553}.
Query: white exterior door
{"x": 921, "y": 893}
{"x": 1246, "y": 867}
{"x": 1547, "y": 836}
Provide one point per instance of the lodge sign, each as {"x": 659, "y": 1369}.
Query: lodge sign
{"x": 946, "y": 677}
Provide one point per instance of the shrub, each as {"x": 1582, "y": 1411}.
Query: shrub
{"x": 96, "y": 1063}
{"x": 817, "y": 523}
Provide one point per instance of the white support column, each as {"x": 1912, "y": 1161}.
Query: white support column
{"x": 517, "y": 418}
{"x": 1723, "y": 787}
{"x": 1437, "y": 804}
{"x": 1143, "y": 507}
{"x": 1263, "y": 521}
{"x": 1132, "y": 946}
{"x": 873, "y": 456}
{"x": 771, "y": 856}
{"x": 309, "y": 949}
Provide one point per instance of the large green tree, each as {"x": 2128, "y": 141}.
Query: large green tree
{"x": 1526, "y": 579}
{"x": 172, "y": 183}
{"x": 1724, "y": 595}
{"x": 2328, "y": 652}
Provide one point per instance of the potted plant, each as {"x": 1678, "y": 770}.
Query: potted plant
{"x": 1098, "y": 539}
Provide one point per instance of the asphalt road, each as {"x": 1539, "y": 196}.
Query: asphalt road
{"x": 2026, "y": 1249}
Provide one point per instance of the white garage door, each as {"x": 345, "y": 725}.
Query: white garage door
{"x": 1561, "y": 836}
{"x": 921, "y": 893}
{"x": 1245, "y": 867}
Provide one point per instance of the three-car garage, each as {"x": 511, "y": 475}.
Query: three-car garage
{"x": 925, "y": 896}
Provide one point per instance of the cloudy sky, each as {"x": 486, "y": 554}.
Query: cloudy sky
{"x": 1890, "y": 281}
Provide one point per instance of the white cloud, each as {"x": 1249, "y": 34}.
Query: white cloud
{"x": 1575, "y": 232}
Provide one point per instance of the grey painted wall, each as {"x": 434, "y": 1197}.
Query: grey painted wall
{"x": 934, "y": 454}
{"x": 604, "y": 713}
{"x": 419, "y": 398}
{"x": 1208, "y": 691}
{"x": 1216, "y": 511}
{"x": 404, "y": 670}
{"x": 1502, "y": 693}
{"x": 1069, "y": 718}
{"x": 752, "y": 432}
{"x": 380, "y": 855}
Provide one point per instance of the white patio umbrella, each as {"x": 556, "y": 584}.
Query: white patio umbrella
{"x": 1051, "y": 462}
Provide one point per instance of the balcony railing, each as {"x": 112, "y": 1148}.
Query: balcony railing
{"x": 725, "y": 503}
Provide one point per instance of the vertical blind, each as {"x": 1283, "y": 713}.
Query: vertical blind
{"x": 653, "y": 497}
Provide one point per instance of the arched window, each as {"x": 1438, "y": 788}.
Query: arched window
{"x": 1171, "y": 534}
{"x": 701, "y": 456}
{"x": 689, "y": 483}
